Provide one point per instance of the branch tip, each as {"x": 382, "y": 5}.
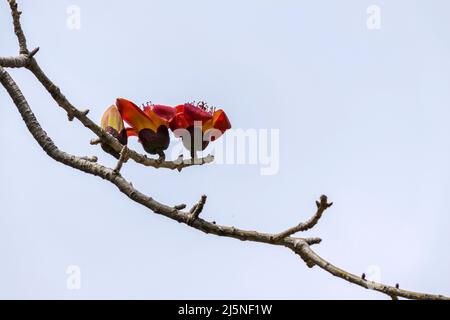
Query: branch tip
{"x": 312, "y": 241}
{"x": 95, "y": 141}
{"x": 33, "y": 52}
{"x": 323, "y": 202}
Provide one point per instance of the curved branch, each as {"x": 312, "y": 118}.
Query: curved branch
{"x": 300, "y": 246}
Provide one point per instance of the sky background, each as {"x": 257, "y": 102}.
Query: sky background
{"x": 363, "y": 118}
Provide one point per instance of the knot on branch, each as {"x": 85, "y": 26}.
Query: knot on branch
{"x": 70, "y": 115}
{"x": 90, "y": 159}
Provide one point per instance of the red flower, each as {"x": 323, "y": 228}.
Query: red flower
{"x": 151, "y": 129}
{"x": 197, "y": 120}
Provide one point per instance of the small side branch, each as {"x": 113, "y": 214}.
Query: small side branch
{"x": 197, "y": 209}
{"x": 122, "y": 159}
{"x": 95, "y": 141}
{"x": 17, "y": 27}
{"x": 314, "y": 240}
{"x": 322, "y": 205}
{"x": 180, "y": 206}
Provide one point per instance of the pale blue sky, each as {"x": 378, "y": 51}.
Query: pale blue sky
{"x": 363, "y": 117}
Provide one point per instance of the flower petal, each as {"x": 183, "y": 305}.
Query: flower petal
{"x": 219, "y": 122}
{"x": 134, "y": 116}
{"x": 180, "y": 121}
{"x": 187, "y": 114}
{"x": 193, "y": 113}
{"x": 165, "y": 112}
{"x": 112, "y": 118}
{"x": 132, "y": 132}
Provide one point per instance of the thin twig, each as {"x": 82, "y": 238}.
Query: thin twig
{"x": 17, "y": 27}
{"x": 197, "y": 209}
{"x": 95, "y": 141}
{"x": 122, "y": 159}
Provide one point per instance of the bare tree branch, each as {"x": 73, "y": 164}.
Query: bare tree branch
{"x": 300, "y": 246}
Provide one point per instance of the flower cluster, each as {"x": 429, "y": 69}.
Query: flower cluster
{"x": 196, "y": 124}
